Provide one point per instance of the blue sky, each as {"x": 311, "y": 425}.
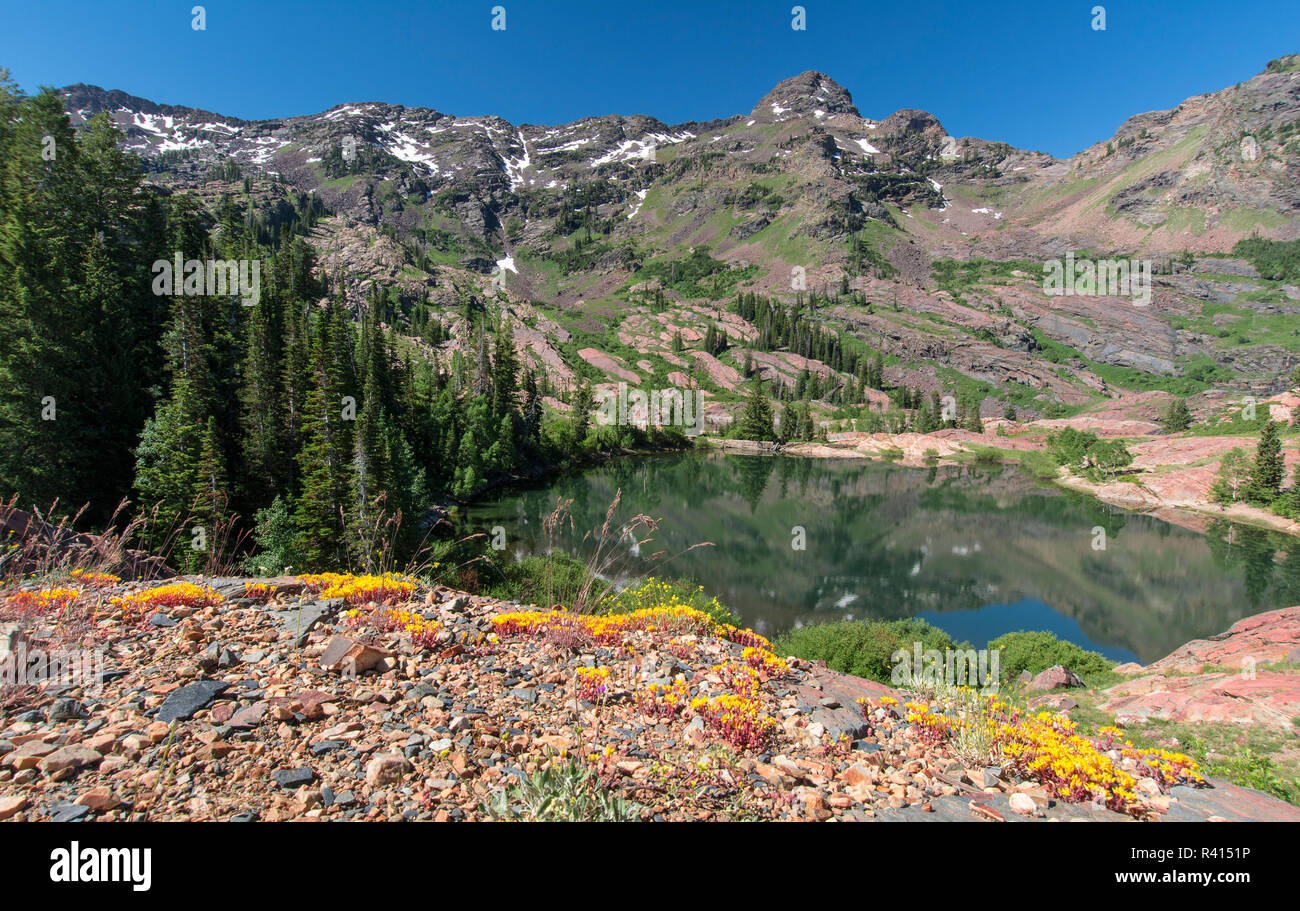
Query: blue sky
{"x": 1033, "y": 73}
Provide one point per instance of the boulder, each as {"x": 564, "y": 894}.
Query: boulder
{"x": 1054, "y": 678}
{"x": 349, "y": 657}
{"x": 386, "y": 769}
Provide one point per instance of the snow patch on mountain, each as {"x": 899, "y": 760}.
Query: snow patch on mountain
{"x": 640, "y": 195}
{"x": 515, "y": 167}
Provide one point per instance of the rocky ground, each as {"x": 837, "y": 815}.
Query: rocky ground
{"x": 281, "y": 704}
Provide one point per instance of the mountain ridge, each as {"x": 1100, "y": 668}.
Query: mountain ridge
{"x": 588, "y": 222}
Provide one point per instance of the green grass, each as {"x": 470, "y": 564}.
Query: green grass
{"x": 342, "y": 184}
{"x": 1250, "y": 219}
{"x": 1203, "y": 373}
{"x": 1185, "y": 221}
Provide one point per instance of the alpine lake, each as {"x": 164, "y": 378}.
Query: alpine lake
{"x": 977, "y": 550}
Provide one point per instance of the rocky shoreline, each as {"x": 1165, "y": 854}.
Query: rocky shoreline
{"x": 1172, "y": 479}
{"x": 263, "y": 699}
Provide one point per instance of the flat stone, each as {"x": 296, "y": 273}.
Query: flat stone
{"x": 183, "y": 703}
{"x": 70, "y": 757}
{"x": 67, "y": 812}
{"x": 29, "y": 754}
{"x": 294, "y": 778}
{"x": 11, "y": 804}
{"x": 66, "y": 709}
{"x": 349, "y": 657}
{"x": 249, "y": 716}
{"x": 100, "y": 800}
{"x": 304, "y": 619}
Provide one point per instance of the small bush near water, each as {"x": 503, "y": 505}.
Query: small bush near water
{"x": 1037, "y": 651}
{"x": 861, "y": 648}
{"x": 865, "y": 648}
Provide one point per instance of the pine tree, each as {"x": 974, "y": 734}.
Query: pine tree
{"x": 756, "y": 419}
{"x": 532, "y": 410}
{"x": 1266, "y": 476}
{"x": 209, "y": 508}
{"x": 324, "y": 459}
{"x": 505, "y": 371}
{"x": 583, "y": 401}
{"x": 167, "y": 460}
{"x": 1177, "y": 417}
{"x": 370, "y": 476}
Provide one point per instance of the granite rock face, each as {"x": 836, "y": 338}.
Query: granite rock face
{"x": 1223, "y": 679}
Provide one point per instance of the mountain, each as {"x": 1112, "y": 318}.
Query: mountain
{"x": 622, "y": 240}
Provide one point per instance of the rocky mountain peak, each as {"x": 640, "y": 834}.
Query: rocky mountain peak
{"x": 88, "y": 100}
{"x": 911, "y": 120}
{"x": 807, "y": 93}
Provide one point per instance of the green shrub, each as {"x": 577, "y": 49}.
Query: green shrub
{"x": 1037, "y": 651}
{"x": 275, "y": 535}
{"x": 1069, "y": 446}
{"x": 1275, "y": 259}
{"x": 861, "y": 648}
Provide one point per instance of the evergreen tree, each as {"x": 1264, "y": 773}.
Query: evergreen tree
{"x": 1266, "y": 475}
{"x": 1177, "y": 417}
{"x": 324, "y": 460}
{"x": 756, "y": 419}
{"x": 208, "y": 510}
{"x": 505, "y": 371}
{"x": 167, "y": 461}
{"x": 584, "y": 400}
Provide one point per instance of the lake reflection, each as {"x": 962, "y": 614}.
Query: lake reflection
{"x": 976, "y": 550}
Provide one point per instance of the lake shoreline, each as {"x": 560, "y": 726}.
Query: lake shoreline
{"x": 1194, "y": 514}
